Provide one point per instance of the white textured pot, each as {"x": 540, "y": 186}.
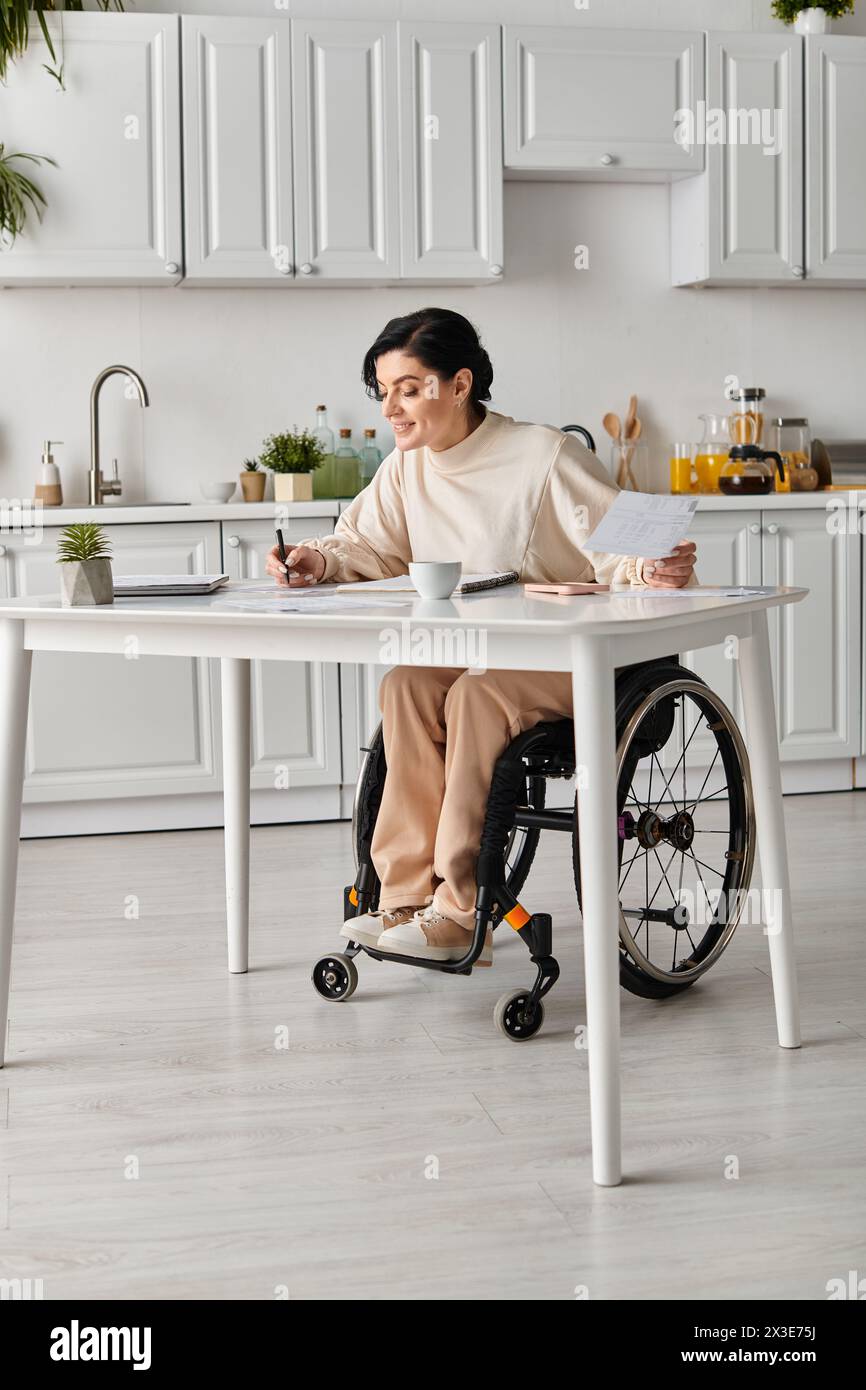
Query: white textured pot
{"x": 811, "y": 21}
{"x": 293, "y": 487}
{"x": 86, "y": 583}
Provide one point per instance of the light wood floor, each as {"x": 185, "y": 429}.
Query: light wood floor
{"x": 305, "y": 1166}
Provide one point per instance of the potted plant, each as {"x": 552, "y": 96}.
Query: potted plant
{"x": 292, "y": 458}
{"x": 810, "y": 18}
{"x": 84, "y": 556}
{"x": 16, "y": 191}
{"x": 253, "y": 481}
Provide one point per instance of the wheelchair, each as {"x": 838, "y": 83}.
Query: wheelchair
{"x": 685, "y": 838}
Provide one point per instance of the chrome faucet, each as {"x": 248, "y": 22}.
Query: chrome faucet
{"x": 97, "y": 487}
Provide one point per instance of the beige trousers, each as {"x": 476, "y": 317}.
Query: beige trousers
{"x": 443, "y": 730}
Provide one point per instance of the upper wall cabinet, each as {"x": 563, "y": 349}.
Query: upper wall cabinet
{"x": 347, "y": 215}
{"x": 741, "y": 221}
{"x": 583, "y": 102}
{"x": 113, "y": 214}
{"x": 450, "y": 151}
{"x": 836, "y": 159}
{"x": 237, "y": 143}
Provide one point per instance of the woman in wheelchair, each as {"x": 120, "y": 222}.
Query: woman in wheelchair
{"x": 464, "y": 482}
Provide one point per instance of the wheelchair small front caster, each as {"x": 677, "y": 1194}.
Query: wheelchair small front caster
{"x": 335, "y": 977}
{"x": 514, "y": 1020}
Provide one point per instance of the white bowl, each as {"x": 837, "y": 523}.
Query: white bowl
{"x": 217, "y": 492}
{"x": 435, "y": 578}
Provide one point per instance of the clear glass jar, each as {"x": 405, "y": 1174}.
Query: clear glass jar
{"x": 746, "y": 423}
{"x": 371, "y": 457}
{"x": 791, "y": 437}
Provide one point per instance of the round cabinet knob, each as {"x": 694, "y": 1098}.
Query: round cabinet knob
{"x": 606, "y": 159}
{"x": 233, "y": 541}
{"x": 285, "y": 269}
{"x": 306, "y": 268}
{"x": 754, "y": 528}
{"x": 798, "y": 272}
{"x": 772, "y": 528}
{"x": 171, "y": 267}
{"x": 496, "y": 270}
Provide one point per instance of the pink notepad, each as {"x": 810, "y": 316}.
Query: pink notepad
{"x": 567, "y": 588}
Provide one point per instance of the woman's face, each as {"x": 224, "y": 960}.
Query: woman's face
{"x": 420, "y": 406}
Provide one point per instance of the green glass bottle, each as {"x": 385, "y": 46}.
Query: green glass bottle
{"x": 323, "y": 478}
{"x": 347, "y": 467}
{"x": 371, "y": 457}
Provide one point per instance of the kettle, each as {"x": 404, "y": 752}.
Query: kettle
{"x": 747, "y": 472}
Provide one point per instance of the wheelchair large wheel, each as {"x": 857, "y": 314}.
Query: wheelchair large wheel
{"x": 686, "y": 838}
{"x": 522, "y": 843}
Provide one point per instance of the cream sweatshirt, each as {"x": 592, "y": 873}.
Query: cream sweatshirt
{"x": 510, "y": 496}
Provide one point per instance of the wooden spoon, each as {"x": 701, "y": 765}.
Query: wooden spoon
{"x": 631, "y": 415}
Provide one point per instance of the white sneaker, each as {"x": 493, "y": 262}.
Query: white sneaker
{"x": 429, "y": 935}
{"x": 369, "y": 926}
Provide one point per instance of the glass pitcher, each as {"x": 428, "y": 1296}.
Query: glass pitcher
{"x": 712, "y": 451}
{"x": 747, "y": 473}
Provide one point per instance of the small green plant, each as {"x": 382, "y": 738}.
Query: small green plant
{"x": 16, "y": 191}
{"x": 787, "y": 10}
{"x": 295, "y": 452}
{"x": 15, "y": 28}
{"x": 251, "y": 466}
{"x": 83, "y": 540}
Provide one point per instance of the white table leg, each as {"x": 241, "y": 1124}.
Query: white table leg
{"x": 594, "y": 737}
{"x": 756, "y": 683}
{"x": 15, "y": 664}
{"x": 235, "y": 682}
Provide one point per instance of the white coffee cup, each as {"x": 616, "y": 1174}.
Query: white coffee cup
{"x": 435, "y": 578}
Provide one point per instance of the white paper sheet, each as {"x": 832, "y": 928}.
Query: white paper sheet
{"x": 301, "y": 603}
{"x": 695, "y": 591}
{"x": 643, "y": 523}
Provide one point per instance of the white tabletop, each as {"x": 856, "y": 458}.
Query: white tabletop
{"x": 506, "y": 610}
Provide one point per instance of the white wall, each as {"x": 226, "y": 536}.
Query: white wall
{"x": 226, "y": 367}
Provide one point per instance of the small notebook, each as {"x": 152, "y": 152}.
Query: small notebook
{"x": 133, "y": 585}
{"x": 469, "y": 584}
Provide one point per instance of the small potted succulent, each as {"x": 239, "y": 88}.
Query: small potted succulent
{"x": 292, "y": 458}
{"x": 84, "y": 556}
{"x": 253, "y": 481}
{"x": 810, "y": 16}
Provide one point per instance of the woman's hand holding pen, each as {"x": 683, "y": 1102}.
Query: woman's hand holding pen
{"x": 304, "y": 565}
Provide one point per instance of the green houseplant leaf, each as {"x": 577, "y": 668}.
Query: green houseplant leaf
{"x": 292, "y": 452}
{"x": 17, "y": 191}
{"x": 83, "y": 540}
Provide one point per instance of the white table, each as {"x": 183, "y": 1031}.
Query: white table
{"x": 589, "y": 636}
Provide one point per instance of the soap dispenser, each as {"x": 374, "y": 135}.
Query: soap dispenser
{"x": 48, "y": 490}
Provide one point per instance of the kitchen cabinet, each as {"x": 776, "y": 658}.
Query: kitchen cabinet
{"x": 118, "y": 726}
{"x": 600, "y": 102}
{"x": 295, "y": 706}
{"x": 113, "y": 214}
{"x": 347, "y": 217}
{"x": 816, "y": 656}
{"x": 741, "y": 221}
{"x": 237, "y": 144}
{"x": 450, "y": 151}
{"x": 836, "y": 159}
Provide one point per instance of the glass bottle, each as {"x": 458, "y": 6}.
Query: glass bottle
{"x": 347, "y": 467}
{"x": 323, "y": 478}
{"x": 371, "y": 457}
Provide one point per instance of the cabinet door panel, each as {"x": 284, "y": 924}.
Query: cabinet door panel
{"x": 113, "y": 203}
{"x": 237, "y": 149}
{"x": 729, "y": 552}
{"x": 344, "y": 78}
{"x": 836, "y": 158}
{"x": 451, "y": 150}
{"x": 756, "y": 198}
{"x": 600, "y": 100}
{"x": 815, "y": 644}
{"x": 296, "y": 705}
{"x": 119, "y": 725}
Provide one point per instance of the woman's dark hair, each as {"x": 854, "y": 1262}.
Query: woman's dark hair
{"x": 441, "y": 340}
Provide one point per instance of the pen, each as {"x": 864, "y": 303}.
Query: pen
{"x": 282, "y": 550}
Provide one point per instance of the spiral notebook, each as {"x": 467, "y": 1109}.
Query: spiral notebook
{"x": 402, "y": 584}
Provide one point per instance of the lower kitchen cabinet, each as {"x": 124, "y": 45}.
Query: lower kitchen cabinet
{"x": 106, "y": 727}
{"x": 295, "y": 706}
